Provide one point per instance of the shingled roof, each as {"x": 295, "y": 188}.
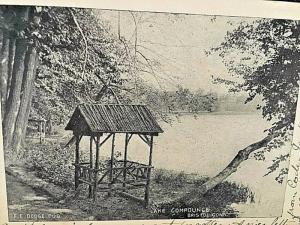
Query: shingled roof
{"x": 113, "y": 118}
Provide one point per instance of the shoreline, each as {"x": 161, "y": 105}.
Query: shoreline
{"x": 215, "y": 113}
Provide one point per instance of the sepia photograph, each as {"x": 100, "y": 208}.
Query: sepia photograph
{"x": 140, "y": 115}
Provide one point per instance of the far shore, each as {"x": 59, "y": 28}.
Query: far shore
{"x": 214, "y": 113}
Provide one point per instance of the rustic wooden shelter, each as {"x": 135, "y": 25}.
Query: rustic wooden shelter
{"x": 105, "y": 121}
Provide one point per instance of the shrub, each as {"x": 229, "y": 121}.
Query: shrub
{"x": 52, "y": 162}
{"x": 217, "y": 200}
{"x": 169, "y": 177}
{"x": 231, "y": 192}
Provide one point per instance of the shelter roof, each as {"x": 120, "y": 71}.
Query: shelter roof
{"x": 114, "y": 118}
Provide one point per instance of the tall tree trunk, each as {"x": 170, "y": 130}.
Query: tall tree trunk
{"x": 26, "y": 94}
{"x": 13, "y": 101}
{"x": 11, "y": 57}
{"x": 242, "y": 155}
{"x": 4, "y": 69}
{"x": 27, "y": 116}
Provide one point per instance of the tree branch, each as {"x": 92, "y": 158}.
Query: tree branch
{"x": 85, "y": 43}
{"x": 151, "y": 68}
{"x": 107, "y": 85}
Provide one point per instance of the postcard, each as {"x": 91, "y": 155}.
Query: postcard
{"x": 116, "y": 115}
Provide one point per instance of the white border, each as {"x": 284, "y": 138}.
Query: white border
{"x": 250, "y": 8}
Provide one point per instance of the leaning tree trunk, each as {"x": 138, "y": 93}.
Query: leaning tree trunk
{"x": 242, "y": 155}
{"x": 25, "y": 99}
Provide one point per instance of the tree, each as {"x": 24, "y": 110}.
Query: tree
{"x": 18, "y": 65}
{"x": 265, "y": 54}
{"x": 80, "y": 62}
{"x": 203, "y": 102}
{"x": 55, "y": 37}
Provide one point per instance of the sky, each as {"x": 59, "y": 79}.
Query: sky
{"x": 178, "y": 42}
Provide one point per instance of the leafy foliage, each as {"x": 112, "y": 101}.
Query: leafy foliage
{"x": 265, "y": 54}
{"x": 16, "y": 21}
{"x": 276, "y": 165}
{"x": 79, "y": 59}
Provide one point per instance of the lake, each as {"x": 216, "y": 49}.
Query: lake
{"x": 205, "y": 145}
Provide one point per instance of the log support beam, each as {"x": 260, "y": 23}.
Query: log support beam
{"x": 125, "y": 158}
{"x": 96, "y": 167}
{"x": 111, "y": 165}
{"x": 77, "y": 160}
{"x": 91, "y": 167}
{"x": 147, "y": 189}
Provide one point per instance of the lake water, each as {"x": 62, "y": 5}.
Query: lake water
{"x": 205, "y": 145}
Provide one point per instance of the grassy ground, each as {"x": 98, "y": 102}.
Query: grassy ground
{"x": 53, "y": 163}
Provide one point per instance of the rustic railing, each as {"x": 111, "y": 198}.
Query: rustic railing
{"x": 123, "y": 176}
{"x": 134, "y": 173}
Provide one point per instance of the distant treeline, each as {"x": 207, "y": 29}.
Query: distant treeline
{"x": 236, "y": 103}
{"x": 184, "y": 100}
{"x": 180, "y": 100}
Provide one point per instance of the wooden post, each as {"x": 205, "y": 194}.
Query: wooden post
{"x": 91, "y": 166}
{"x": 44, "y": 131}
{"x": 96, "y": 167}
{"x": 147, "y": 189}
{"x": 125, "y": 160}
{"x": 77, "y": 162}
{"x": 45, "y": 126}
{"x": 40, "y": 131}
{"x": 111, "y": 165}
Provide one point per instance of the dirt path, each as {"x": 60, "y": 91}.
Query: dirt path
{"x": 27, "y": 204}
